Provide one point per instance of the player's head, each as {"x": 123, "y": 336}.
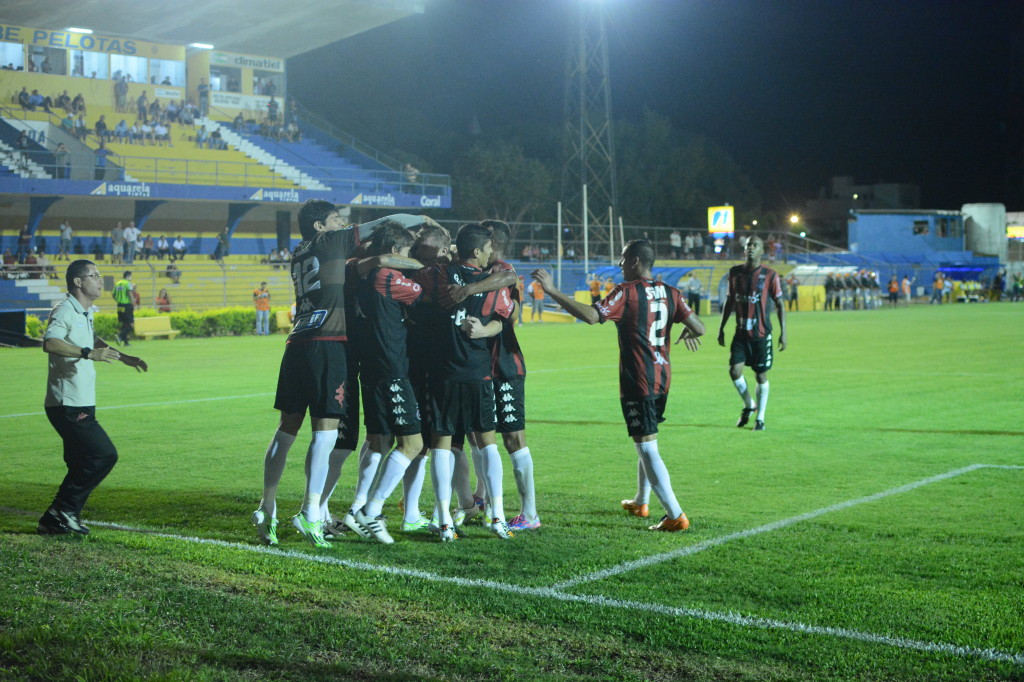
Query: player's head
{"x": 637, "y": 259}
{"x": 754, "y": 249}
{"x": 473, "y": 243}
{"x": 317, "y": 215}
{"x": 501, "y": 235}
{"x": 77, "y": 272}
{"x": 432, "y": 245}
{"x": 390, "y": 237}
{"x": 127, "y": 274}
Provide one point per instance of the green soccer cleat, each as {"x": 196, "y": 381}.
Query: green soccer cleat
{"x": 311, "y": 530}
{"x": 423, "y": 523}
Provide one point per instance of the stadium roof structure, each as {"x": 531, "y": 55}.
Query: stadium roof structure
{"x": 266, "y": 28}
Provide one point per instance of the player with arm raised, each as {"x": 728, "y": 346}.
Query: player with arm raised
{"x": 643, "y": 311}
{"x": 751, "y": 285}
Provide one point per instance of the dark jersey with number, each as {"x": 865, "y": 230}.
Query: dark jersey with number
{"x": 458, "y": 357}
{"x": 750, "y": 291}
{"x": 643, "y": 311}
{"x": 318, "y": 275}
{"x": 382, "y": 295}
{"x": 506, "y": 354}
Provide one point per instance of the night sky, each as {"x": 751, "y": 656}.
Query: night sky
{"x": 913, "y": 91}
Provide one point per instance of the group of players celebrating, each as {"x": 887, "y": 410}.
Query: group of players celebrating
{"x": 390, "y": 315}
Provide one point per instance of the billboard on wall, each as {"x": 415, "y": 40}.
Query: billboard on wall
{"x": 721, "y": 220}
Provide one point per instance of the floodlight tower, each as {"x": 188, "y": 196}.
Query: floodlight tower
{"x": 589, "y": 140}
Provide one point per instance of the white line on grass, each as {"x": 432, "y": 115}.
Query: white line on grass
{"x": 168, "y": 402}
{"x": 728, "y": 617}
{"x": 775, "y": 525}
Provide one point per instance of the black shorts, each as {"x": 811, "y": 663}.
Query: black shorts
{"x": 643, "y": 416}
{"x": 755, "y": 353}
{"x": 458, "y": 407}
{"x": 348, "y": 428}
{"x": 390, "y": 406}
{"x": 125, "y": 313}
{"x": 510, "y": 404}
{"x": 312, "y": 377}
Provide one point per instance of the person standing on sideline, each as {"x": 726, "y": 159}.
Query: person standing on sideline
{"x": 643, "y": 311}
{"x": 692, "y": 286}
{"x": 117, "y": 244}
{"x": 123, "y": 291}
{"x": 750, "y": 287}
{"x": 131, "y": 237}
{"x": 536, "y": 302}
{"x": 66, "y": 233}
{"x": 261, "y": 299}
{"x": 894, "y": 291}
{"x": 794, "y": 287}
{"x": 73, "y": 348}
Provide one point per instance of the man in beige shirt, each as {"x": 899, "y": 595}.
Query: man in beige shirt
{"x": 73, "y": 349}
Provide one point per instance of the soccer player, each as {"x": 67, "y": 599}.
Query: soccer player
{"x": 461, "y": 390}
{"x": 751, "y": 285}
{"x": 643, "y": 311}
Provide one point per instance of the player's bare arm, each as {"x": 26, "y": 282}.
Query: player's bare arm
{"x": 780, "y": 309}
{"x": 366, "y": 265}
{"x": 580, "y": 311}
{"x": 693, "y": 329}
{"x": 456, "y": 294}
{"x": 726, "y": 312}
{"x": 474, "y": 329}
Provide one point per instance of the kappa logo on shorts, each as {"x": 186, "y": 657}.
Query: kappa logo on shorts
{"x": 510, "y": 418}
{"x": 82, "y": 416}
{"x": 632, "y": 413}
{"x": 635, "y": 422}
{"x": 397, "y": 399}
{"x": 339, "y": 395}
{"x": 508, "y": 408}
{"x": 401, "y": 422}
{"x": 506, "y": 397}
{"x": 505, "y": 387}
{"x": 398, "y": 410}
{"x": 395, "y": 388}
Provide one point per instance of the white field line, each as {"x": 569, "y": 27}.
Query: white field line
{"x": 168, "y": 402}
{"x": 775, "y": 525}
{"x": 728, "y": 617}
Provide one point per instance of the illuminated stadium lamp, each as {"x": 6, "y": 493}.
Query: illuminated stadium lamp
{"x": 794, "y": 219}
{"x": 73, "y": 29}
{"x": 201, "y": 46}
{"x": 754, "y": 223}
{"x": 803, "y": 234}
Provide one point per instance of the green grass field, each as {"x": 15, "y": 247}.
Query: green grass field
{"x": 872, "y": 532}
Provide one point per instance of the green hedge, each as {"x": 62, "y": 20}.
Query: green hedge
{"x": 234, "y": 321}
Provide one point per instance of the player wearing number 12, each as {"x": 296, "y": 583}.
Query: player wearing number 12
{"x": 643, "y": 312}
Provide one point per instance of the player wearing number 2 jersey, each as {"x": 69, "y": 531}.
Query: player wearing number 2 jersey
{"x": 643, "y": 311}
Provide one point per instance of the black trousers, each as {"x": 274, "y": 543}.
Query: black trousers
{"x": 88, "y": 453}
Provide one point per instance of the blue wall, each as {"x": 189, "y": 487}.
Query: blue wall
{"x": 893, "y": 233}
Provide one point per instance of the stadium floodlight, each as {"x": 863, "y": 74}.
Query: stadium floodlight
{"x": 794, "y": 219}
{"x": 74, "y": 29}
{"x": 201, "y": 46}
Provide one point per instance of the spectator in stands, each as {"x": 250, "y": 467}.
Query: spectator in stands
{"x": 272, "y": 109}
{"x": 22, "y": 142}
{"x": 154, "y": 110}
{"x": 204, "y": 97}
{"x": 132, "y": 235}
{"x": 121, "y": 95}
{"x": 117, "y": 244}
{"x": 101, "y": 129}
{"x": 163, "y": 248}
{"x": 37, "y": 100}
{"x": 270, "y": 88}
{"x": 78, "y": 104}
{"x": 63, "y": 101}
{"x": 179, "y": 248}
{"x": 142, "y": 104}
{"x": 24, "y": 243}
{"x": 46, "y": 66}
{"x": 147, "y": 247}
{"x": 216, "y": 141}
{"x": 32, "y": 269}
{"x": 238, "y": 124}
{"x": 201, "y": 136}
{"x": 121, "y": 133}
{"x": 135, "y": 134}
{"x": 292, "y": 133}
{"x": 293, "y": 112}
{"x": 147, "y": 133}
{"x": 10, "y": 268}
{"x": 46, "y": 270}
{"x": 172, "y": 111}
{"x": 675, "y": 242}
{"x": 163, "y": 301}
{"x": 23, "y": 99}
{"x": 412, "y": 173}
{"x": 101, "y": 160}
{"x": 173, "y": 273}
{"x": 81, "y": 131}
{"x": 223, "y": 248}
{"x": 161, "y": 134}
{"x": 188, "y": 115}
{"x": 60, "y": 162}
{"x": 66, "y": 233}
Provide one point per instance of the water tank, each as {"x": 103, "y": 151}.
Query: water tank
{"x": 985, "y": 225}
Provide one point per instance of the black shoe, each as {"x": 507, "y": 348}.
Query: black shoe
{"x": 759, "y": 425}
{"x": 55, "y": 522}
{"x": 745, "y": 416}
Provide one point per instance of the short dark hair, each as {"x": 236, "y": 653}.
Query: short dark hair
{"x": 77, "y": 268}
{"x": 471, "y": 236}
{"x": 389, "y": 235}
{"x": 642, "y": 250}
{"x": 501, "y": 233}
{"x": 126, "y": 273}
{"x": 314, "y": 211}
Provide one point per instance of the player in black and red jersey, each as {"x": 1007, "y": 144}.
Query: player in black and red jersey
{"x": 643, "y": 311}
{"x": 751, "y": 286}
{"x": 461, "y": 391}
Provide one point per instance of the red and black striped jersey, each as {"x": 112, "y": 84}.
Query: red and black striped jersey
{"x": 506, "y": 354}
{"x": 643, "y": 311}
{"x": 381, "y": 297}
{"x": 750, "y": 291}
{"x": 460, "y": 358}
{"x": 318, "y": 275}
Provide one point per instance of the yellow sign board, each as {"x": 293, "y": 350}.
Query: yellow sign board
{"x": 92, "y": 42}
{"x": 721, "y": 219}
{"x": 1015, "y": 231}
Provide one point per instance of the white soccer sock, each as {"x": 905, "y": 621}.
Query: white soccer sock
{"x": 741, "y": 388}
{"x": 412, "y": 485}
{"x": 441, "y": 477}
{"x": 643, "y": 486}
{"x": 273, "y": 467}
{"x": 478, "y": 467}
{"x": 318, "y": 459}
{"x": 762, "y": 400}
{"x": 338, "y": 457}
{"x": 460, "y": 479}
{"x": 522, "y": 467}
{"x": 368, "y": 462}
{"x": 493, "y": 473}
{"x": 657, "y": 474}
{"x": 391, "y": 471}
